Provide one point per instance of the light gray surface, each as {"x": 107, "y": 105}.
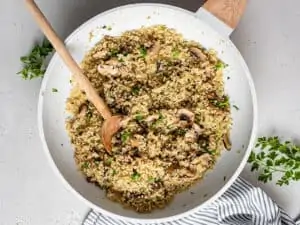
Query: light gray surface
{"x": 31, "y": 194}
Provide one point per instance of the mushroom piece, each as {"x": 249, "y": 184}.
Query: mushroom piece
{"x": 197, "y": 129}
{"x": 187, "y": 115}
{"x": 155, "y": 48}
{"x": 197, "y": 52}
{"x": 107, "y": 70}
{"x": 151, "y": 118}
{"x": 100, "y": 55}
{"x": 227, "y": 142}
{"x": 82, "y": 110}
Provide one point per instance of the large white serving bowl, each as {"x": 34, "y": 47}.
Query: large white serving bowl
{"x": 238, "y": 84}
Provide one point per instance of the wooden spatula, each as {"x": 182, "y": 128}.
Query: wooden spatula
{"x": 111, "y": 123}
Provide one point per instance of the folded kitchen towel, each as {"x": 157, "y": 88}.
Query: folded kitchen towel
{"x": 242, "y": 203}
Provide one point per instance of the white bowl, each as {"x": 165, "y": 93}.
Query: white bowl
{"x": 51, "y": 110}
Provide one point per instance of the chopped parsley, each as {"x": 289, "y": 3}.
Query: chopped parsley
{"x": 114, "y": 172}
{"x": 125, "y": 135}
{"x": 220, "y": 66}
{"x": 33, "y": 64}
{"x": 222, "y": 103}
{"x": 234, "y": 106}
{"x": 109, "y": 28}
{"x": 143, "y": 51}
{"x": 158, "y": 121}
{"x": 211, "y": 152}
{"x": 135, "y": 90}
{"x": 114, "y": 52}
{"x": 151, "y": 179}
{"x": 85, "y": 165}
{"x": 135, "y": 175}
{"x": 175, "y": 53}
{"x": 54, "y": 90}
{"x": 139, "y": 117}
{"x": 108, "y": 161}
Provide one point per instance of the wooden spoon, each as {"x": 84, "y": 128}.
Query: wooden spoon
{"x": 111, "y": 123}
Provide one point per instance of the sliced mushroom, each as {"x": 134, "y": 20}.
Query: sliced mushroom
{"x": 197, "y": 52}
{"x": 151, "y": 118}
{"x": 107, "y": 70}
{"x": 155, "y": 48}
{"x": 197, "y": 129}
{"x": 227, "y": 142}
{"x": 100, "y": 55}
{"x": 112, "y": 62}
{"x": 82, "y": 110}
{"x": 190, "y": 136}
{"x": 134, "y": 143}
{"x": 187, "y": 115}
{"x": 124, "y": 122}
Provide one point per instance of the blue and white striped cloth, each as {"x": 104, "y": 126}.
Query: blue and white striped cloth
{"x": 241, "y": 204}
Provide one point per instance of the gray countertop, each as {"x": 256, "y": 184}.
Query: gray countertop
{"x": 268, "y": 38}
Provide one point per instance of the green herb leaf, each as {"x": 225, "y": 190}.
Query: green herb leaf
{"x": 54, "y": 90}
{"x": 222, "y": 103}
{"x": 139, "y": 117}
{"x": 220, "y": 66}
{"x": 114, "y": 172}
{"x": 114, "y": 52}
{"x": 135, "y": 175}
{"x": 143, "y": 51}
{"x": 108, "y": 161}
{"x": 125, "y": 135}
{"x": 33, "y": 64}
{"x": 175, "y": 53}
{"x": 234, "y": 106}
{"x": 276, "y": 157}
{"x": 135, "y": 90}
{"x": 85, "y": 165}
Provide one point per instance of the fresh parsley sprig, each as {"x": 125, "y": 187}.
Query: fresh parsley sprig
{"x": 33, "y": 64}
{"x": 276, "y": 157}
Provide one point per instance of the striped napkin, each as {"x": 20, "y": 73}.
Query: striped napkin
{"x": 241, "y": 204}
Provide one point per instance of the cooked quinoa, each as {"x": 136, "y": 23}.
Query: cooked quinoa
{"x": 171, "y": 92}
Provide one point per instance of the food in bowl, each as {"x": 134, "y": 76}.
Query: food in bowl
{"x": 178, "y": 117}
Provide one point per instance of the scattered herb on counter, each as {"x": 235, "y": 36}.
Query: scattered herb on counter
{"x": 109, "y": 28}
{"x": 143, "y": 51}
{"x": 54, "y": 90}
{"x": 125, "y": 135}
{"x": 236, "y": 107}
{"x": 135, "y": 175}
{"x": 33, "y": 64}
{"x": 276, "y": 157}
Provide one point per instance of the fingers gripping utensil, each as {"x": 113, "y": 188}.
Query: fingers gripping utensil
{"x": 111, "y": 123}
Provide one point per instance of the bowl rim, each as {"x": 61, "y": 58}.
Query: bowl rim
{"x": 145, "y": 220}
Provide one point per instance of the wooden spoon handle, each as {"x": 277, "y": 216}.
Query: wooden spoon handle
{"x": 60, "y": 48}
{"x": 229, "y": 11}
